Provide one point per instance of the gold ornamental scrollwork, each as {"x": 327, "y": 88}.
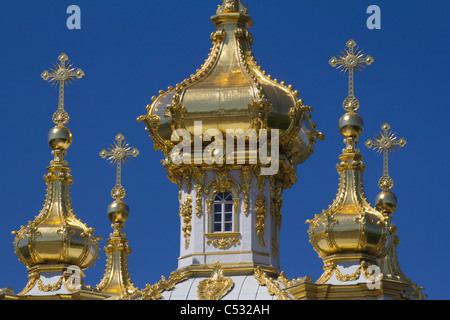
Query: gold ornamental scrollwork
{"x": 222, "y": 183}
{"x": 272, "y": 286}
{"x": 154, "y": 292}
{"x": 223, "y": 240}
{"x": 246, "y": 176}
{"x": 199, "y": 177}
{"x": 216, "y": 287}
{"x": 186, "y": 215}
{"x": 260, "y": 211}
{"x": 348, "y": 277}
{"x": 289, "y": 283}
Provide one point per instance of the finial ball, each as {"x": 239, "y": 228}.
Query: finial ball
{"x": 386, "y": 202}
{"x": 118, "y": 211}
{"x": 59, "y": 138}
{"x": 351, "y": 125}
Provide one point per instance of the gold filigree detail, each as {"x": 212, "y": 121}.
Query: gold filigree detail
{"x": 62, "y": 75}
{"x": 176, "y": 113}
{"x": 329, "y": 269}
{"x": 347, "y": 277}
{"x": 259, "y": 110}
{"x": 216, "y": 287}
{"x": 223, "y": 241}
{"x": 186, "y": 215}
{"x": 231, "y": 6}
{"x": 154, "y": 292}
{"x": 272, "y": 286}
{"x": 118, "y": 154}
{"x": 222, "y": 183}
{"x": 246, "y": 176}
{"x": 199, "y": 177}
{"x": 289, "y": 283}
{"x": 260, "y": 210}
{"x": 386, "y": 142}
{"x": 351, "y": 61}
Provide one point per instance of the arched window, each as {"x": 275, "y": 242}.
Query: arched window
{"x": 223, "y": 212}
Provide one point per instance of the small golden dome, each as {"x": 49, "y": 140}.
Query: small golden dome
{"x": 350, "y": 225}
{"x": 56, "y": 236}
{"x": 231, "y": 91}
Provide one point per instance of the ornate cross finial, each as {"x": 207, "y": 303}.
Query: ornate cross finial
{"x": 386, "y": 142}
{"x": 352, "y": 59}
{"x": 118, "y": 154}
{"x": 62, "y": 75}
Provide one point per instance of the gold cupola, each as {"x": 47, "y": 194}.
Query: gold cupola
{"x": 230, "y": 91}
{"x": 350, "y": 230}
{"x": 56, "y": 239}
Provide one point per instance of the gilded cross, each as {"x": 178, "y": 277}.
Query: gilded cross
{"x": 386, "y": 142}
{"x": 351, "y": 61}
{"x": 62, "y": 74}
{"x": 118, "y": 154}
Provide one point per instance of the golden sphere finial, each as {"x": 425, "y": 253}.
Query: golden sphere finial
{"x": 118, "y": 211}
{"x": 59, "y": 138}
{"x": 351, "y": 125}
{"x": 386, "y": 202}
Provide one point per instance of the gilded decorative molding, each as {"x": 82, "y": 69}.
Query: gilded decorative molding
{"x": 260, "y": 214}
{"x": 222, "y": 183}
{"x": 186, "y": 215}
{"x": 223, "y": 240}
{"x": 272, "y": 286}
{"x": 260, "y": 210}
{"x": 289, "y": 283}
{"x": 176, "y": 113}
{"x": 199, "y": 177}
{"x": 216, "y": 287}
{"x": 276, "y": 201}
{"x": 259, "y": 110}
{"x": 246, "y": 176}
{"x": 154, "y": 292}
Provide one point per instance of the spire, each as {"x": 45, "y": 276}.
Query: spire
{"x": 56, "y": 241}
{"x": 116, "y": 281}
{"x": 350, "y": 231}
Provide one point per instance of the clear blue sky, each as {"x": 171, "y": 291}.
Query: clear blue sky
{"x": 130, "y": 50}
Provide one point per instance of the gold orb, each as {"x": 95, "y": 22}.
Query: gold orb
{"x": 59, "y": 138}
{"x": 351, "y": 125}
{"x": 118, "y": 211}
{"x": 386, "y": 202}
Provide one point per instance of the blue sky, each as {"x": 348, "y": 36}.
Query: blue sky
{"x": 130, "y": 50}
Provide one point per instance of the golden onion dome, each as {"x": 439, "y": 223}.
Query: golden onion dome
{"x": 56, "y": 236}
{"x": 231, "y": 91}
{"x": 350, "y": 225}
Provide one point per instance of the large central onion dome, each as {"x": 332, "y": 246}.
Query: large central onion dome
{"x": 231, "y": 91}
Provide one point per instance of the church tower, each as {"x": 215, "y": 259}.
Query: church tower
{"x": 232, "y": 138}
